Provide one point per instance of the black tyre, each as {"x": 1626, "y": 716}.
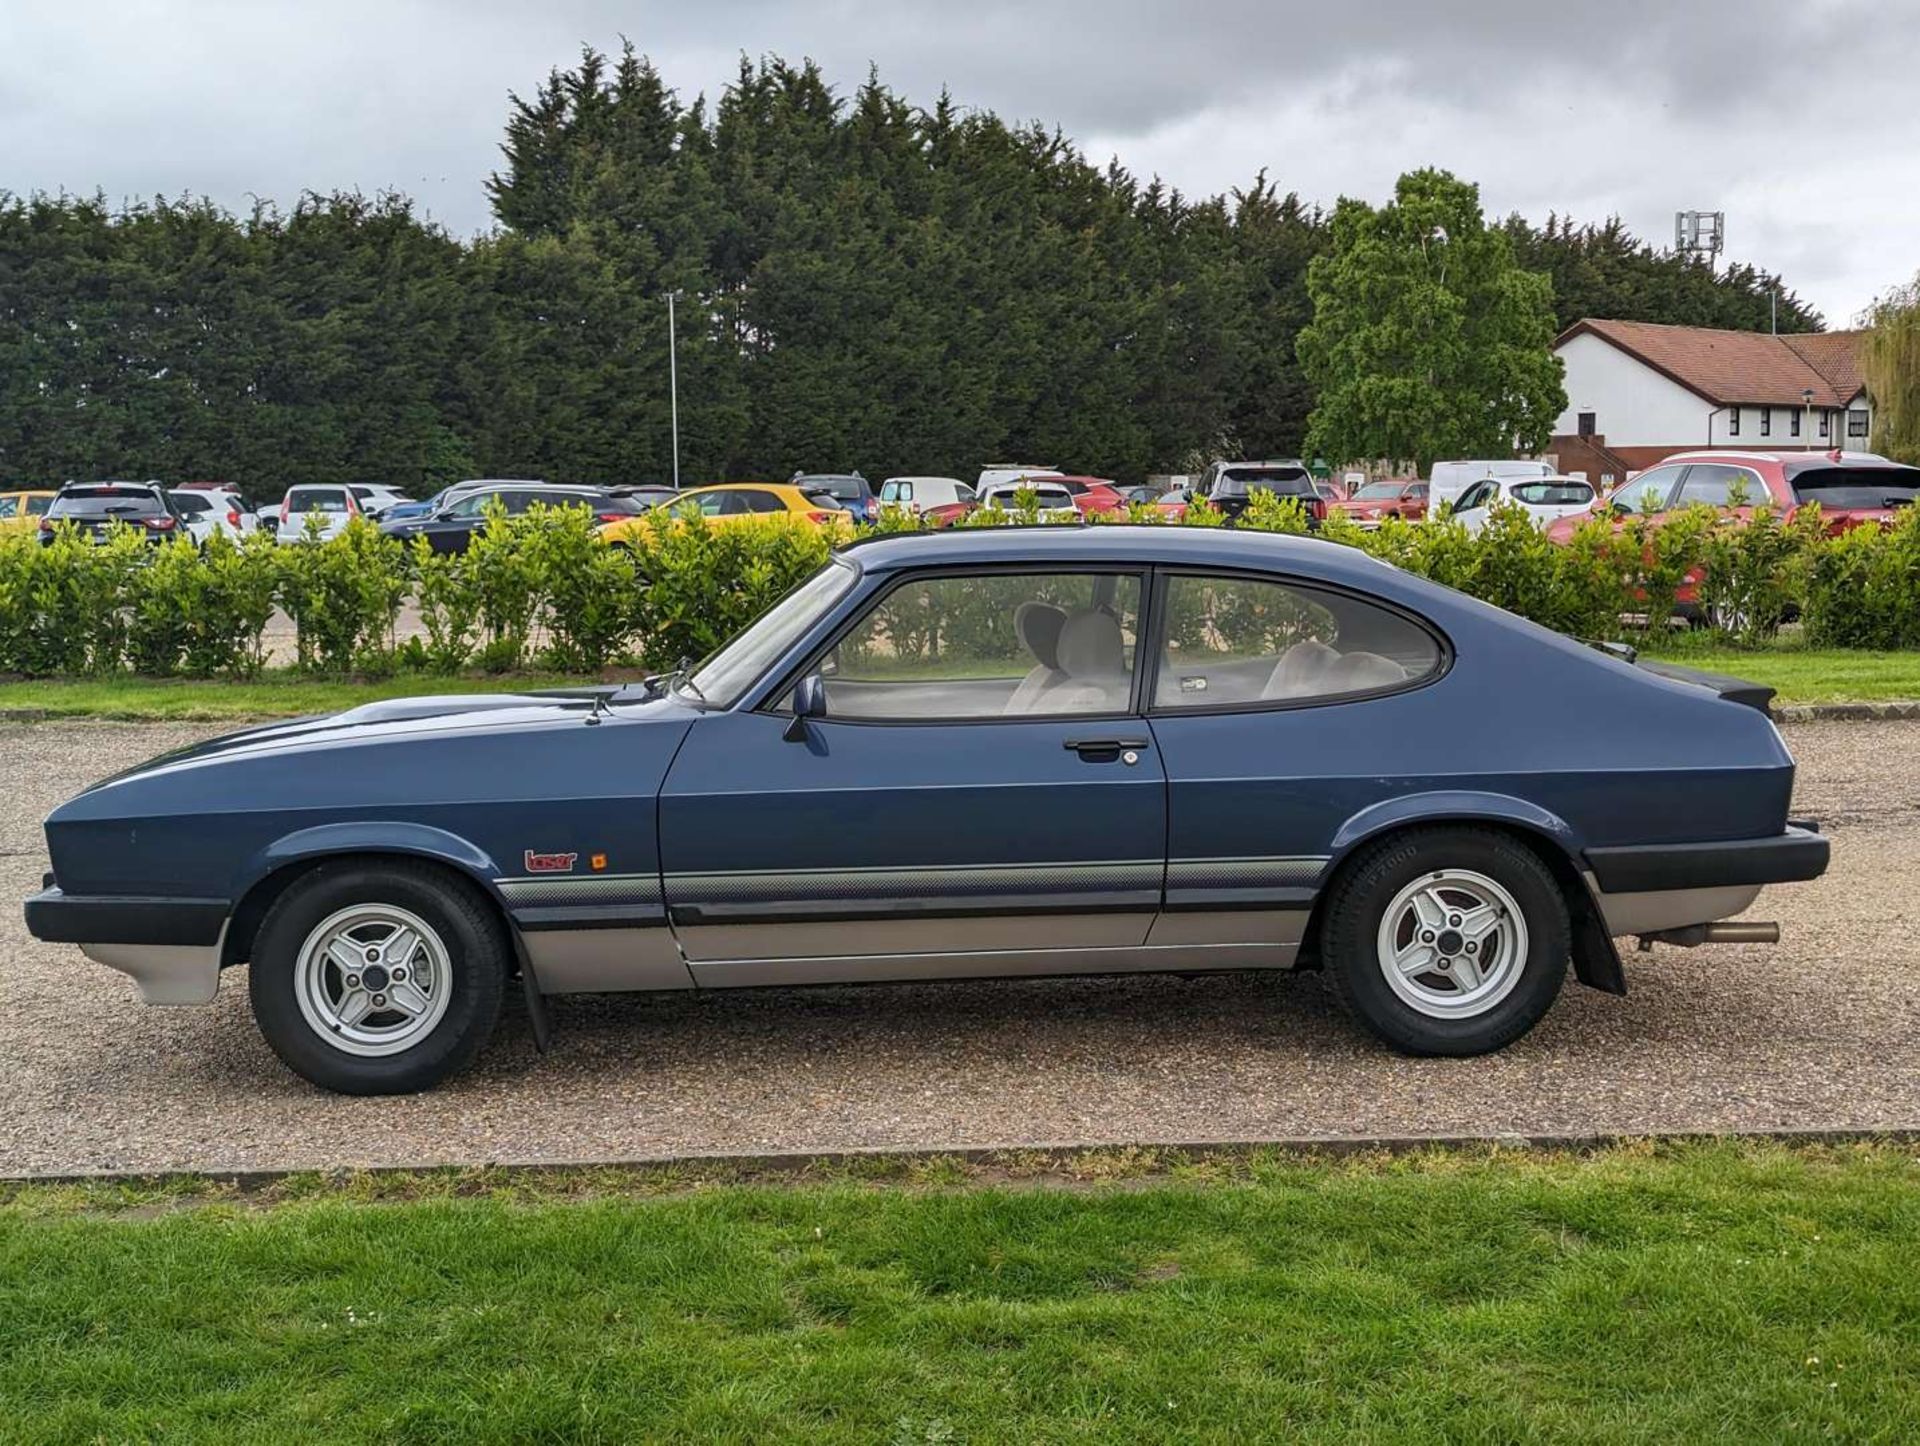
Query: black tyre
{"x": 1447, "y": 941}
{"x": 378, "y": 976}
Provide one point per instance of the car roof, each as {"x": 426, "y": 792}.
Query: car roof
{"x": 1118, "y": 542}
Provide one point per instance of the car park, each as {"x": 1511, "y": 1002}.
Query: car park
{"x": 1850, "y": 488}
{"x": 1229, "y": 487}
{"x": 95, "y": 509}
{"x": 852, "y": 491}
{"x": 453, "y": 528}
{"x": 939, "y": 501}
{"x": 1374, "y": 502}
{"x": 995, "y": 473}
{"x": 21, "y": 511}
{"x": 1093, "y": 494}
{"x": 315, "y": 512}
{"x": 1542, "y": 499}
{"x": 1133, "y": 749}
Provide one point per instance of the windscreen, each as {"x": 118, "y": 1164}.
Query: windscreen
{"x": 317, "y": 502}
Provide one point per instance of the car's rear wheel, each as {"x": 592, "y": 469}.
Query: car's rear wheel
{"x": 1449, "y": 941}
{"x": 378, "y": 977}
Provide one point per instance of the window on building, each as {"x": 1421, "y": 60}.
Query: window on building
{"x": 1733, "y": 421}
{"x": 1826, "y": 422}
{"x": 1793, "y": 426}
{"x": 1857, "y": 422}
{"x": 1586, "y": 421}
{"x": 1766, "y": 421}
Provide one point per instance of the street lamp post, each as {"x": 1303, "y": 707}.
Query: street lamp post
{"x": 1806, "y": 406}
{"x": 673, "y": 388}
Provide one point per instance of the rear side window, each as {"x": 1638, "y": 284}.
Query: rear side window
{"x": 1857, "y": 486}
{"x": 37, "y": 506}
{"x": 191, "y": 502}
{"x": 1235, "y": 641}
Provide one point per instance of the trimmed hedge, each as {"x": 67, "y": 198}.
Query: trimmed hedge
{"x": 544, "y": 590}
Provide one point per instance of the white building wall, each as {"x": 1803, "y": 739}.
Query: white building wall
{"x": 1633, "y": 405}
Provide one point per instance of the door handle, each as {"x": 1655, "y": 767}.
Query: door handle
{"x": 1107, "y": 750}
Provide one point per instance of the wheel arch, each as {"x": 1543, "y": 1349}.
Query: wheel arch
{"x": 277, "y": 867}
{"x": 1596, "y": 962}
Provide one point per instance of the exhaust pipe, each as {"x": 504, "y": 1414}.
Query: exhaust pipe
{"x": 1727, "y": 931}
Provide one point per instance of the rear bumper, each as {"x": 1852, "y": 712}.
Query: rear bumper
{"x": 170, "y": 948}
{"x": 1789, "y": 857}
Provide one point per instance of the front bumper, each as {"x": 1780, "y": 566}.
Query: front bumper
{"x": 169, "y": 947}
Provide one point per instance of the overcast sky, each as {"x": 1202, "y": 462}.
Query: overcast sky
{"x": 1795, "y": 117}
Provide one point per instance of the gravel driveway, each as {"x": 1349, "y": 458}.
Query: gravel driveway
{"x": 1821, "y": 1032}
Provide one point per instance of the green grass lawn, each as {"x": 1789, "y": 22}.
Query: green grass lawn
{"x": 1712, "y": 1292}
{"x": 1807, "y": 675}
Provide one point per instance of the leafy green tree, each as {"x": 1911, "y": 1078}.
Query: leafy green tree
{"x": 1891, "y": 363}
{"x": 1427, "y": 340}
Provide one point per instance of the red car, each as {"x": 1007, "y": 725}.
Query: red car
{"x": 1092, "y": 494}
{"x": 1373, "y": 502}
{"x": 1850, "y": 487}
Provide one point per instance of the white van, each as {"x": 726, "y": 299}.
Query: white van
{"x": 1452, "y": 479}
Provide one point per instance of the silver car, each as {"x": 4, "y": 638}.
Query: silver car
{"x": 316, "y": 512}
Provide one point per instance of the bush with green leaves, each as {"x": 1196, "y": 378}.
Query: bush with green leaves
{"x": 343, "y": 596}
{"x": 1863, "y": 587}
{"x": 701, "y": 583}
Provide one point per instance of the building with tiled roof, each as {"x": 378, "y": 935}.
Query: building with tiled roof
{"x": 1637, "y": 392}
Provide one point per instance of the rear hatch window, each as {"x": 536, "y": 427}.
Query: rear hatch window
{"x": 316, "y": 502}
{"x": 1856, "y": 487}
{"x": 1287, "y": 481}
{"x": 106, "y": 502}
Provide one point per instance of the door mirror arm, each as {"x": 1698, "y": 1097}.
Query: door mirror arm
{"x": 809, "y": 701}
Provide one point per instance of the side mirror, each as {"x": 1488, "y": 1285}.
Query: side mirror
{"x": 809, "y": 701}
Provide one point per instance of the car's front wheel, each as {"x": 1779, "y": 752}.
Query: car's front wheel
{"x": 1447, "y": 941}
{"x": 378, "y": 977}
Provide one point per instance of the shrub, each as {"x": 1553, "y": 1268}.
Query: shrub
{"x": 589, "y": 597}
{"x": 500, "y": 570}
{"x": 1863, "y": 587}
{"x": 449, "y": 608}
{"x": 343, "y": 596}
{"x": 700, "y": 583}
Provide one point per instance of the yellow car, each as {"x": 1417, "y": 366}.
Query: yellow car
{"x": 736, "y": 501}
{"x": 22, "y": 511}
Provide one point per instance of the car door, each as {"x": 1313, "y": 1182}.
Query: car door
{"x": 980, "y": 796}
{"x": 1276, "y": 707}
{"x": 452, "y": 530}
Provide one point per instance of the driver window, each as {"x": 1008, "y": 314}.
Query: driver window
{"x": 7, "y": 506}
{"x": 992, "y": 646}
{"x": 1714, "y": 485}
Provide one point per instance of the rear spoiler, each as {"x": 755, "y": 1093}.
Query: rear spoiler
{"x": 1734, "y": 690}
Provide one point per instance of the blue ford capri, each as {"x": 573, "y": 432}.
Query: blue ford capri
{"x": 1006, "y": 752}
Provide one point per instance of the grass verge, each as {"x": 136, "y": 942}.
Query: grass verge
{"x": 1712, "y": 1291}
{"x": 1808, "y": 675}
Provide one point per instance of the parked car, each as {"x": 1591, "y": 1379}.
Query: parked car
{"x": 410, "y": 510}
{"x": 1543, "y": 499}
{"x": 1850, "y": 487}
{"x": 648, "y": 494}
{"x": 1228, "y": 487}
{"x": 728, "y": 502}
{"x": 938, "y": 500}
{"x": 852, "y": 491}
{"x": 21, "y": 511}
{"x": 1450, "y": 480}
{"x": 315, "y": 512}
{"x": 995, "y": 473}
{"x": 1374, "y": 502}
{"x": 1093, "y": 494}
{"x": 1051, "y": 496}
{"x": 207, "y": 509}
{"x": 1135, "y": 749}
{"x": 376, "y": 499}
{"x": 453, "y": 527}
{"x": 96, "y": 508}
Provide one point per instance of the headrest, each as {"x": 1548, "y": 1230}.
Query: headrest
{"x": 1300, "y": 671}
{"x": 1038, "y": 626}
{"x": 1091, "y": 646}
